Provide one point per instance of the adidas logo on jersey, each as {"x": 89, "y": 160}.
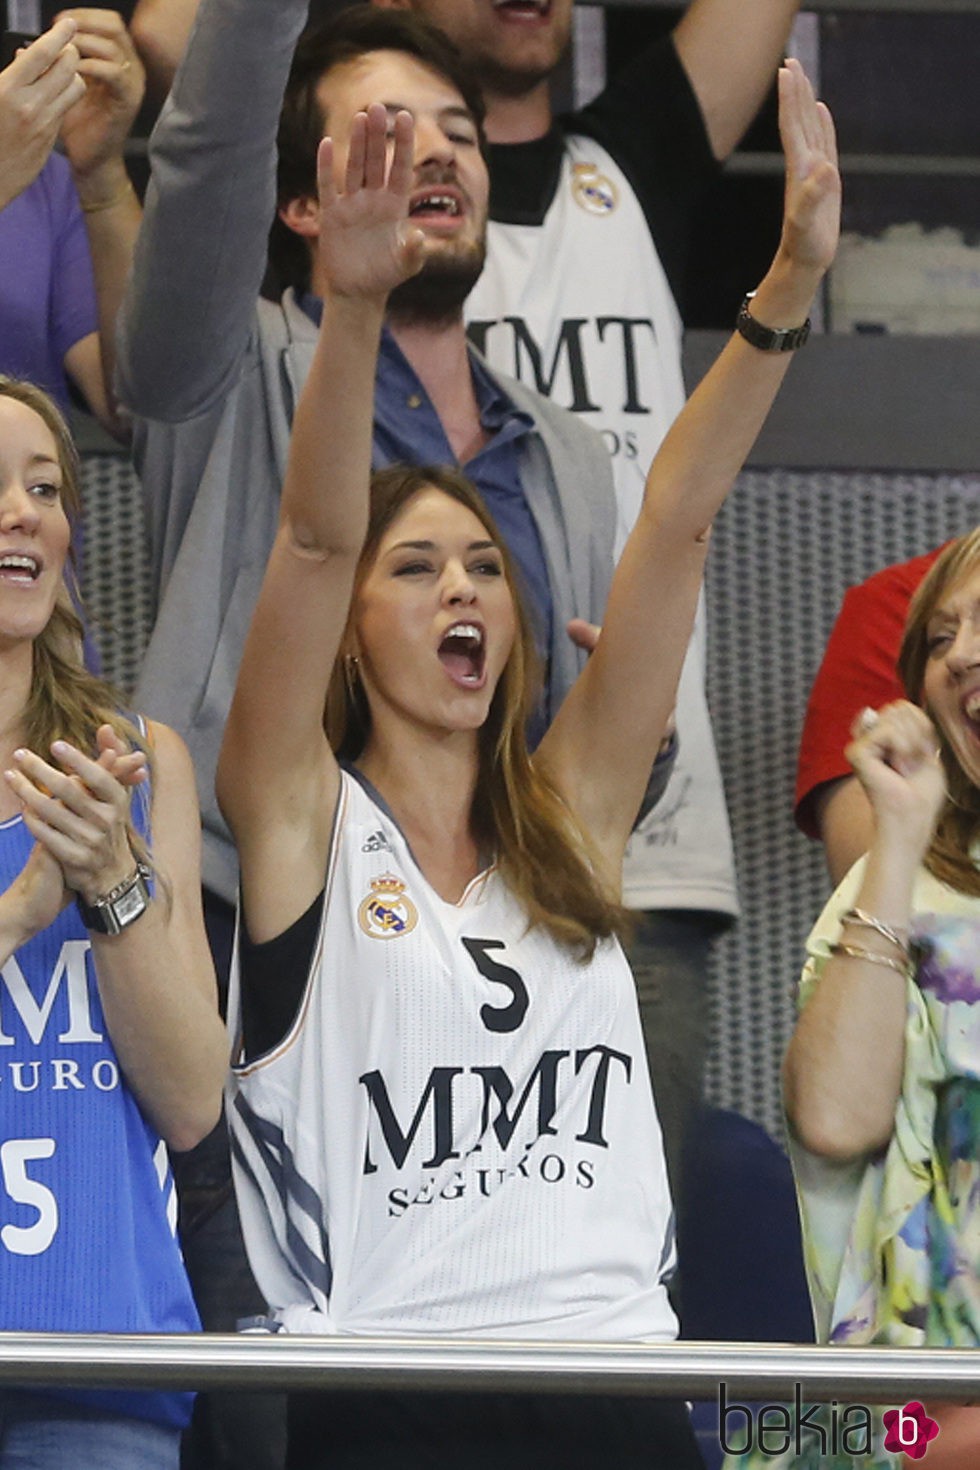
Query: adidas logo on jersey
{"x": 376, "y": 842}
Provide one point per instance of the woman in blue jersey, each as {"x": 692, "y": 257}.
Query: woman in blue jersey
{"x": 441, "y": 1113}
{"x": 111, "y": 1048}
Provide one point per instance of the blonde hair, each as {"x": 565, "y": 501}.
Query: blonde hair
{"x": 66, "y": 701}
{"x": 541, "y": 851}
{"x": 957, "y": 833}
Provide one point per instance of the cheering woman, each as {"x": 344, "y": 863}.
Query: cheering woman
{"x": 441, "y": 1114}
{"x": 111, "y": 1047}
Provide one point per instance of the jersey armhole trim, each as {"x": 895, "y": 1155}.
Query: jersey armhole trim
{"x": 245, "y": 1069}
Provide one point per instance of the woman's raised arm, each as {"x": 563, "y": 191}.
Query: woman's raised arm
{"x": 277, "y": 778}
{"x": 603, "y": 741}
{"x": 843, "y": 1070}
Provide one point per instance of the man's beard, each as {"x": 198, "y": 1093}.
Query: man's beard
{"x": 498, "y": 79}
{"x": 435, "y": 296}
{"x": 518, "y": 75}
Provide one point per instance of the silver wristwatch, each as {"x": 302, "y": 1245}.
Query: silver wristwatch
{"x": 118, "y": 908}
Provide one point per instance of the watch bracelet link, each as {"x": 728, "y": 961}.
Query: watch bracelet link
{"x": 769, "y": 339}
{"x": 120, "y": 907}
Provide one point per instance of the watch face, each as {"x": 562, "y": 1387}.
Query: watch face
{"x": 130, "y": 905}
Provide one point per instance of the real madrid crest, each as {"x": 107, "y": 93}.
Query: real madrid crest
{"x": 592, "y": 191}
{"x": 387, "y": 912}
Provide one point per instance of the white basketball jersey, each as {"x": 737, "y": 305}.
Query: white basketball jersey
{"x": 580, "y": 308}
{"x": 458, "y": 1134}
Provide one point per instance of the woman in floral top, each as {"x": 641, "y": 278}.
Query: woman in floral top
{"x": 882, "y": 1076}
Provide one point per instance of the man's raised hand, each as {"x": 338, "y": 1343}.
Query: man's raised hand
{"x": 367, "y": 245}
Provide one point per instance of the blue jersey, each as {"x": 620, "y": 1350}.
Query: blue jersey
{"x": 87, "y": 1201}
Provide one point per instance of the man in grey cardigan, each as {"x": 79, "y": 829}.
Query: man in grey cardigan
{"x": 211, "y": 373}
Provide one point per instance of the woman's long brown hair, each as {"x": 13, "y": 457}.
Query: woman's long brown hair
{"x": 541, "y": 851}
{"x": 950, "y": 854}
{"x": 66, "y": 702}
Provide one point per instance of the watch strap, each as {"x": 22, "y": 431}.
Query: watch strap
{"x": 120, "y": 907}
{"x": 769, "y": 339}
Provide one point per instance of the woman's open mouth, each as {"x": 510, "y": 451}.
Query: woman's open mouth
{"x": 462, "y": 654}
{"x": 971, "y": 712}
{"x": 19, "y": 568}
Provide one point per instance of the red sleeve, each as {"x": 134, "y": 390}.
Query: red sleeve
{"x": 858, "y": 669}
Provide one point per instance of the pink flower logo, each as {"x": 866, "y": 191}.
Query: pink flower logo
{"x": 909, "y": 1430}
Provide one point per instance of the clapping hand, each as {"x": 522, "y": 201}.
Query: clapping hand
{"x": 78, "y": 813}
{"x": 367, "y": 245}
{"x": 97, "y": 126}
{"x": 36, "y": 90}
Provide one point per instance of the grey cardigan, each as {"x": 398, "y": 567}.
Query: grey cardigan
{"x": 211, "y": 374}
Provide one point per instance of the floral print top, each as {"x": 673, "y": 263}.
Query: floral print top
{"x": 892, "y": 1241}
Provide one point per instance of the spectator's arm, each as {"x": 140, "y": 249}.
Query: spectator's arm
{"x": 160, "y": 29}
{"x": 94, "y": 134}
{"x": 83, "y": 365}
{"x": 36, "y": 90}
{"x": 730, "y": 51}
{"x": 845, "y": 822}
{"x": 843, "y": 1070}
{"x": 201, "y": 251}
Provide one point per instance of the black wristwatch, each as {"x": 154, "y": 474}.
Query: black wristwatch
{"x": 118, "y": 908}
{"x": 769, "y": 339}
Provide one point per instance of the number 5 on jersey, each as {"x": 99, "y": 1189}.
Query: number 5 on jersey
{"x": 510, "y": 1016}
{"x": 15, "y": 1155}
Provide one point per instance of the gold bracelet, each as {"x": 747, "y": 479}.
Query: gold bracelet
{"x": 111, "y": 202}
{"x": 857, "y": 952}
{"x": 897, "y": 937}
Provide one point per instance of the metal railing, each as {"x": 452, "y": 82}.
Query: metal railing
{"x": 675, "y": 1370}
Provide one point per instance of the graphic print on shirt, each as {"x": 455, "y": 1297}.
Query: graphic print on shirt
{"x": 490, "y": 1116}
{"x": 591, "y": 189}
{"x": 387, "y": 912}
{"x": 56, "y": 1017}
{"x": 509, "y": 1017}
{"x": 458, "y": 1108}
{"x": 607, "y": 345}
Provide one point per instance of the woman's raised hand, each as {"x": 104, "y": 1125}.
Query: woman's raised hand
{"x": 79, "y": 814}
{"x": 95, "y": 130}
{"x": 895, "y": 755}
{"x": 811, "y": 207}
{"x": 367, "y": 245}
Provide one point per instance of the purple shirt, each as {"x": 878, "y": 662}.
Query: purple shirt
{"x": 47, "y": 292}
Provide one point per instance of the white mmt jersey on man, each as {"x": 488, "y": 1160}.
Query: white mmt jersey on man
{"x": 579, "y": 306}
